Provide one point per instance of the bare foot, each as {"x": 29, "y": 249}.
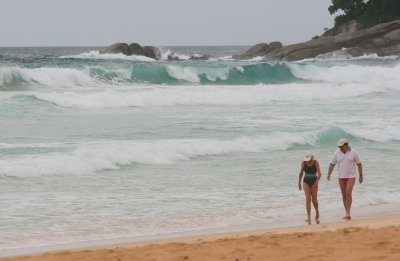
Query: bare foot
{"x": 347, "y": 217}
{"x": 317, "y": 220}
{"x": 308, "y": 221}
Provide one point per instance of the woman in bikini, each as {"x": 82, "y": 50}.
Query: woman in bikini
{"x": 312, "y": 174}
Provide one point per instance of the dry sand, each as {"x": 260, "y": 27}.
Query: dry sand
{"x": 366, "y": 239}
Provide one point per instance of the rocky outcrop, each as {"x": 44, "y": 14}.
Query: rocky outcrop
{"x": 382, "y": 39}
{"x": 116, "y": 48}
{"x": 136, "y": 49}
{"x": 260, "y": 49}
{"x": 133, "y": 49}
{"x": 173, "y": 57}
{"x": 350, "y": 39}
{"x": 152, "y": 52}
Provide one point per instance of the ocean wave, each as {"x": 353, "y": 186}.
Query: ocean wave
{"x": 374, "y": 133}
{"x": 150, "y": 96}
{"x": 213, "y": 73}
{"x": 93, "y": 157}
{"x": 382, "y": 76}
{"x": 85, "y": 158}
{"x": 13, "y": 78}
{"x": 52, "y": 77}
{"x": 199, "y": 73}
{"x": 95, "y": 55}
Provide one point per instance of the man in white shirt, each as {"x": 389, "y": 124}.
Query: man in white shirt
{"x": 346, "y": 158}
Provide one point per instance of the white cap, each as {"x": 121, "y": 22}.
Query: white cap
{"x": 341, "y": 142}
{"x": 308, "y": 156}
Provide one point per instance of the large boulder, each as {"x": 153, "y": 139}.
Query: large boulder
{"x": 133, "y": 49}
{"x": 274, "y": 46}
{"x": 382, "y": 39}
{"x": 136, "y": 49}
{"x": 253, "y": 51}
{"x": 152, "y": 52}
{"x": 172, "y": 56}
{"x": 116, "y": 48}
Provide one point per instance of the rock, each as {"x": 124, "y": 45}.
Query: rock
{"x": 348, "y": 27}
{"x": 382, "y": 39}
{"x": 116, "y": 48}
{"x": 133, "y": 49}
{"x": 258, "y": 50}
{"x": 152, "y": 52}
{"x": 173, "y": 57}
{"x": 274, "y": 46}
{"x": 136, "y": 49}
{"x": 391, "y": 50}
{"x": 254, "y": 51}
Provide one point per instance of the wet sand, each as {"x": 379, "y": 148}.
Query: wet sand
{"x": 363, "y": 239}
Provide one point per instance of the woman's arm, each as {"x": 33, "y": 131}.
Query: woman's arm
{"x": 301, "y": 175}
{"x": 318, "y": 171}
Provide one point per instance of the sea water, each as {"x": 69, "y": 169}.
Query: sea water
{"x": 110, "y": 146}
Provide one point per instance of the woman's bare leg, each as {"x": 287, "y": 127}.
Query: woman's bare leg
{"x": 307, "y": 192}
{"x": 314, "y": 195}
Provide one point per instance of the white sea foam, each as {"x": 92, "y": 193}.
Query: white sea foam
{"x": 257, "y": 58}
{"x": 53, "y": 77}
{"x": 92, "y": 157}
{"x": 225, "y": 58}
{"x": 192, "y": 74}
{"x": 181, "y": 73}
{"x": 380, "y": 76}
{"x": 342, "y": 55}
{"x": 377, "y": 131}
{"x": 164, "y": 55}
{"x": 107, "y": 56}
{"x": 239, "y": 68}
{"x": 203, "y": 95}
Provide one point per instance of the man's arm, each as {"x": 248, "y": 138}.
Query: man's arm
{"x": 360, "y": 172}
{"x": 331, "y": 167}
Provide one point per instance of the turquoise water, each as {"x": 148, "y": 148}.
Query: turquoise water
{"x": 106, "y": 146}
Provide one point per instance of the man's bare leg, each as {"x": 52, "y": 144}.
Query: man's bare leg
{"x": 349, "y": 196}
{"x": 342, "y": 185}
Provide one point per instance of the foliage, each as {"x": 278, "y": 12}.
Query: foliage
{"x": 367, "y": 12}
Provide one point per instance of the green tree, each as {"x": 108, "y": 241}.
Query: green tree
{"x": 367, "y": 12}
{"x": 380, "y": 11}
{"x": 352, "y": 9}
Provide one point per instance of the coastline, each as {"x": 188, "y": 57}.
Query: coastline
{"x": 327, "y": 240}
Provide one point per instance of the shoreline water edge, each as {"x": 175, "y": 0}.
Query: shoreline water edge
{"x": 250, "y": 244}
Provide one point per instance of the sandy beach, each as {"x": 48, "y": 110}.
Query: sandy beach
{"x": 362, "y": 239}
